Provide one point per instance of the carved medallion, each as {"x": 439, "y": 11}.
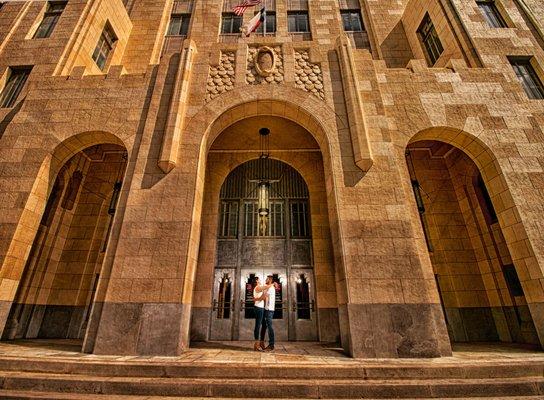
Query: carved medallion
{"x": 265, "y": 61}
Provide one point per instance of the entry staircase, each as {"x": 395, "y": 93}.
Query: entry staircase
{"x": 93, "y": 378}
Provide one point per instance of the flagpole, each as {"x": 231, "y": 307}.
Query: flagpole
{"x": 265, "y": 16}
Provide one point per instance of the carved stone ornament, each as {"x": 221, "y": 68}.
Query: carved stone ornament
{"x": 265, "y": 61}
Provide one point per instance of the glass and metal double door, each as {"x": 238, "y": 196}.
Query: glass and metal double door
{"x": 295, "y": 313}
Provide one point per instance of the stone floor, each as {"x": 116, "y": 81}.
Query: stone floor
{"x": 286, "y": 353}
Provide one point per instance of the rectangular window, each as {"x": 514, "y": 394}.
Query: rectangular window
{"x": 229, "y": 219}
{"x": 270, "y": 23}
{"x": 50, "y": 18}
{"x": 299, "y": 219}
{"x": 429, "y": 38}
{"x": 230, "y": 23}
{"x": 528, "y": 78}
{"x": 104, "y": 47}
{"x": 275, "y": 225}
{"x": 352, "y": 21}
{"x": 298, "y": 21}
{"x": 179, "y": 24}
{"x": 15, "y": 83}
{"x": 491, "y": 14}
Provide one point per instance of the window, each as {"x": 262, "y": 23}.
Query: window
{"x": 275, "y": 223}
{"x": 304, "y": 305}
{"x": 229, "y": 219}
{"x": 528, "y": 78}
{"x": 104, "y": 47}
{"x": 50, "y": 18}
{"x": 491, "y": 14}
{"x": 231, "y": 23}
{"x": 299, "y": 219}
{"x": 14, "y": 85}
{"x": 298, "y": 21}
{"x": 224, "y": 297}
{"x": 430, "y": 39}
{"x": 352, "y": 21}
{"x": 179, "y": 24}
{"x": 270, "y": 23}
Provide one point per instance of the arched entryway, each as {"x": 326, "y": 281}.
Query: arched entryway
{"x": 464, "y": 210}
{"x": 57, "y": 285}
{"x": 281, "y": 248}
{"x": 296, "y": 247}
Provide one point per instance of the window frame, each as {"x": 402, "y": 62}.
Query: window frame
{"x": 352, "y": 12}
{"x": 233, "y": 17}
{"x": 12, "y": 91}
{"x": 534, "y": 90}
{"x": 491, "y": 14}
{"x": 297, "y": 14}
{"x": 268, "y": 19}
{"x": 107, "y": 40}
{"x": 50, "y": 12}
{"x": 183, "y": 27}
{"x": 430, "y": 40}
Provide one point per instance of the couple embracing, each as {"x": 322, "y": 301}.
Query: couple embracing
{"x": 264, "y": 297}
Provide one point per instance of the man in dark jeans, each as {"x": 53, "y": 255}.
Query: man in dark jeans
{"x": 269, "y": 304}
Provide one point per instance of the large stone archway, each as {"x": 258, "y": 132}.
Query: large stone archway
{"x": 293, "y": 145}
{"x": 506, "y": 202}
{"x": 30, "y": 223}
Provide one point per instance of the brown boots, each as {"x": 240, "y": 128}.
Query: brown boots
{"x": 258, "y": 346}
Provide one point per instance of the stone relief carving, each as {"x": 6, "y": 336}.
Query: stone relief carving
{"x": 264, "y": 65}
{"x": 308, "y": 76}
{"x": 221, "y": 77}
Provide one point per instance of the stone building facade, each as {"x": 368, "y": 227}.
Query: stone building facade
{"x": 407, "y": 139}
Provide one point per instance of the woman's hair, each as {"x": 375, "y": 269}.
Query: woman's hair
{"x": 255, "y": 280}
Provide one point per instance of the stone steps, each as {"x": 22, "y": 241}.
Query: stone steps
{"x": 20, "y": 395}
{"x": 91, "y": 377}
{"x": 273, "y": 388}
{"x": 389, "y": 369}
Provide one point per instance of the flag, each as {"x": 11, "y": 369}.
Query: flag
{"x": 255, "y": 22}
{"x": 240, "y": 9}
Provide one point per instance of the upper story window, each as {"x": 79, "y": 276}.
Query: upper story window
{"x": 270, "y": 23}
{"x": 429, "y": 38}
{"x": 491, "y": 14}
{"x": 230, "y": 23}
{"x": 179, "y": 24}
{"x": 528, "y": 78}
{"x": 298, "y": 21}
{"x": 352, "y": 21}
{"x": 50, "y": 19}
{"x": 104, "y": 47}
{"x": 15, "y": 83}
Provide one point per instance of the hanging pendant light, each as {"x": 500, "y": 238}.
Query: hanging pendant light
{"x": 263, "y": 186}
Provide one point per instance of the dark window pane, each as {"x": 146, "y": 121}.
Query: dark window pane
{"x": 14, "y": 85}
{"x": 429, "y": 38}
{"x": 298, "y": 21}
{"x": 303, "y": 298}
{"x": 491, "y": 14}
{"x": 50, "y": 18}
{"x": 352, "y": 21}
{"x": 528, "y": 78}
{"x": 231, "y": 23}
{"x": 270, "y": 23}
{"x": 104, "y": 47}
{"x": 179, "y": 24}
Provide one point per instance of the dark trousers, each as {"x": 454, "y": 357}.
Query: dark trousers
{"x": 267, "y": 324}
{"x": 259, "y": 316}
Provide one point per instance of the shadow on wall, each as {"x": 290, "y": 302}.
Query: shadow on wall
{"x": 9, "y": 117}
{"x": 352, "y": 173}
{"x": 153, "y": 174}
{"x": 396, "y": 49}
